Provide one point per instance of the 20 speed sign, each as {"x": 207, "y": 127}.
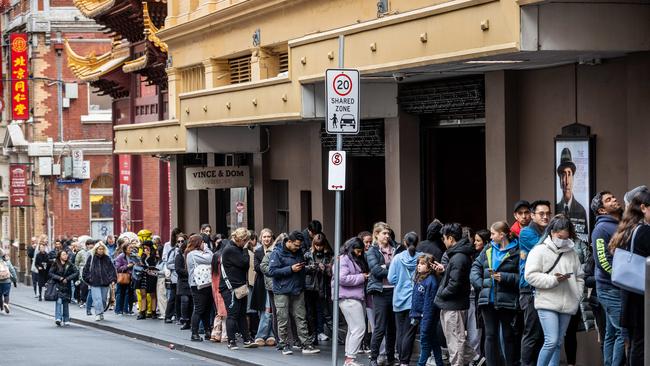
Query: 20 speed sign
{"x": 342, "y": 91}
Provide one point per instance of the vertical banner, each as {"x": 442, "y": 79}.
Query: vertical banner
{"x": 18, "y": 189}
{"x": 125, "y": 193}
{"x": 19, "y": 77}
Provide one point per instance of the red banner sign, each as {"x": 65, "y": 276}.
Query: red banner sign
{"x": 19, "y": 76}
{"x": 19, "y": 190}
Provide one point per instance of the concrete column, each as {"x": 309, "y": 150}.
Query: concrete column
{"x": 402, "y": 140}
{"x": 217, "y": 73}
{"x": 316, "y": 175}
{"x": 263, "y": 203}
{"x": 212, "y": 199}
{"x": 173, "y": 186}
{"x": 638, "y": 128}
{"x": 501, "y": 145}
{"x": 173, "y": 89}
{"x": 263, "y": 65}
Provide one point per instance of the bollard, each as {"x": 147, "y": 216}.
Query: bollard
{"x": 646, "y": 326}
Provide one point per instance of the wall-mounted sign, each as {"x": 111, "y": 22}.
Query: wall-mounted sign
{"x": 217, "y": 177}
{"x": 19, "y": 190}
{"x": 74, "y": 199}
{"x": 77, "y": 163}
{"x": 19, "y": 76}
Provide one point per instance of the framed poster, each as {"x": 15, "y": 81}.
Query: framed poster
{"x": 574, "y": 181}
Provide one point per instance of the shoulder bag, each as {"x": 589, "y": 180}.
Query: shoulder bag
{"x": 202, "y": 274}
{"x": 51, "y": 291}
{"x": 628, "y": 269}
{"x": 240, "y": 292}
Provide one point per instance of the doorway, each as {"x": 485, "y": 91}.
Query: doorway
{"x": 364, "y": 200}
{"x": 454, "y": 187}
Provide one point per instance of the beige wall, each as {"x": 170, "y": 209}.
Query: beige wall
{"x": 612, "y": 99}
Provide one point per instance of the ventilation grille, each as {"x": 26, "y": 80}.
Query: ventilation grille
{"x": 193, "y": 78}
{"x": 283, "y": 60}
{"x": 240, "y": 69}
{"x": 369, "y": 141}
{"x": 445, "y": 99}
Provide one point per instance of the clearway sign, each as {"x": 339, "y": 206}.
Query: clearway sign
{"x": 342, "y": 92}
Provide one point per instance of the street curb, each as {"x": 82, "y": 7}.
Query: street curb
{"x": 149, "y": 339}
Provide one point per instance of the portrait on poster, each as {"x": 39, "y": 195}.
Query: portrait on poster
{"x": 572, "y": 188}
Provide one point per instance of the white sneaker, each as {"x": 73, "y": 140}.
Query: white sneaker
{"x": 351, "y": 362}
{"x": 101, "y": 316}
{"x": 323, "y": 337}
{"x": 6, "y": 307}
{"x": 98, "y": 318}
{"x": 66, "y": 324}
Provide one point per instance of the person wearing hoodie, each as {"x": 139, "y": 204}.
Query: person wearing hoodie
{"x": 495, "y": 277}
{"x": 353, "y": 274}
{"x": 554, "y": 269}
{"x": 608, "y": 213}
{"x": 532, "y": 336}
{"x": 197, "y": 253}
{"x": 400, "y": 275}
{"x": 99, "y": 273}
{"x": 7, "y": 277}
{"x": 433, "y": 245}
{"x": 287, "y": 268}
{"x": 453, "y": 294}
{"x": 379, "y": 256}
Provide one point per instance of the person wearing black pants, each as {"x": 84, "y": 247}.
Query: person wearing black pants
{"x": 202, "y": 299}
{"x": 172, "y": 309}
{"x": 379, "y": 257}
{"x": 235, "y": 263}
{"x": 406, "y": 333}
{"x": 499, "y": 321}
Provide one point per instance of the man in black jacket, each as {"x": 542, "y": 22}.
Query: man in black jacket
{"x": 433, "y": 245}
{"x": 453, "y": 294}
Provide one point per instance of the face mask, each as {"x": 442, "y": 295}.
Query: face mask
{"x": 563, "y": 243}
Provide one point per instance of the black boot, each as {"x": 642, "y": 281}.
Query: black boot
{"x": 186, "y": 326}
{"x": 141, "y": 315}
{"x": 196, "y": 338}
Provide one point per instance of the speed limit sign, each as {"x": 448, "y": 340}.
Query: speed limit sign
{"x": 342, "y": 90}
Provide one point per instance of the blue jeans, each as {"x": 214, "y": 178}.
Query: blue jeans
{"x": 614, "y": 342}
{"x": 99, "y": 297}
{"x": 429, "y": 342}
{"x": 554, "y": 325}
{"x": 62, "y": 310}
{"x": 89, "y": 300}
{"x": 265, "y": 329}
{"x": 123, "y": 299}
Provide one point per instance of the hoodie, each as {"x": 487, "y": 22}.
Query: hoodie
{"x": 603, "y": 231}
{"x": 454, "y": 289}
{"x": 433, "y": 245}
{"x": 528, "y": 238}
{"x": 504, "y": 293}
{"x": 400, "y": 274}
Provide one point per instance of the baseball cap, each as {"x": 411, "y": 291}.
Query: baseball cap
{"x": 521, "y": 203}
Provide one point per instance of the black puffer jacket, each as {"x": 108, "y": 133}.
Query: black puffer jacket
{"x": 317, "y": 279}
{"x": 506, "y": 291}
{"x": 183, "y": 285}
{"x": 59, "y": 273}
{"x": 433, "y": 245}
{"x": 99, "y": 271}
{"x": 453, "y": 292}
{"x": 377, "y": 273}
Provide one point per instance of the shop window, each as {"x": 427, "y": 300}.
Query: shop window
{"x": 240, "y": 69}
{"x": 101, "y": 206}
{"x": 281, "y": 196}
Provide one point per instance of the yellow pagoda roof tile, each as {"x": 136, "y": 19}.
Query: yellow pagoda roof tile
{"x": 92, "y": 67}
{"x": 135, "y": 65}
{"x": 93, "y": 8}
{"x": 151, "y": 31}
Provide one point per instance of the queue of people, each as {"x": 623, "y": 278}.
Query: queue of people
{"x": 505, "y": 295}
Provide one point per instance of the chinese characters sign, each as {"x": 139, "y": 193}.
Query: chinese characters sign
{"x": 19, "y": 75}
{"x": 19, "y": 190}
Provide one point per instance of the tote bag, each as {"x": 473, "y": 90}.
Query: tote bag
{"x": 628, "y": 269}
{"x": 202, "y": 274}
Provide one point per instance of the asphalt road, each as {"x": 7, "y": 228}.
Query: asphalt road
{"x": 31, "y": 339}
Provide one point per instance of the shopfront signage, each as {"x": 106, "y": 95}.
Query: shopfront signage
{"x": 217, "y": 177}
{"x": 342, "y": 93}
{"x": 18, "y": 190}
{"x": 19, "y": 76}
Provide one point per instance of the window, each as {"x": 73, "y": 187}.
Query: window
{"x": 101, "y": 206}
{"x": 99, "y": 107}
{"x": 192, "y": 78}
{"x": 240, "y": 69}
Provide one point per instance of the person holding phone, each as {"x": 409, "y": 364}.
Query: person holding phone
{"x": 553, "y": 269}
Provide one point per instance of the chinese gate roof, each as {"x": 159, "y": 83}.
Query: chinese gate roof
{"x": 101, "y": 71}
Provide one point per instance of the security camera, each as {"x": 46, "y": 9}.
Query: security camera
{"x": 398, "y": 76}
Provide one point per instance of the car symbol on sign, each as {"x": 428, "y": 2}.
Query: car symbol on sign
{"x": 348, "y": 119}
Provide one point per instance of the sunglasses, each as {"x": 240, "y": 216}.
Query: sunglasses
{"x": 180, "y": 241}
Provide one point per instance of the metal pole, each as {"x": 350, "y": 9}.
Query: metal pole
{"x": 337, "y": 239}
{"x": 59, "y": 90}
{"x": 646, "y": 327}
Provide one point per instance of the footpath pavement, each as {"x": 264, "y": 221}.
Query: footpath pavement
{"x": 155, "y": 331}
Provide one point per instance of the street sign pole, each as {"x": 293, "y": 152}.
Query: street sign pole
{"x": 337, "y": 239}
